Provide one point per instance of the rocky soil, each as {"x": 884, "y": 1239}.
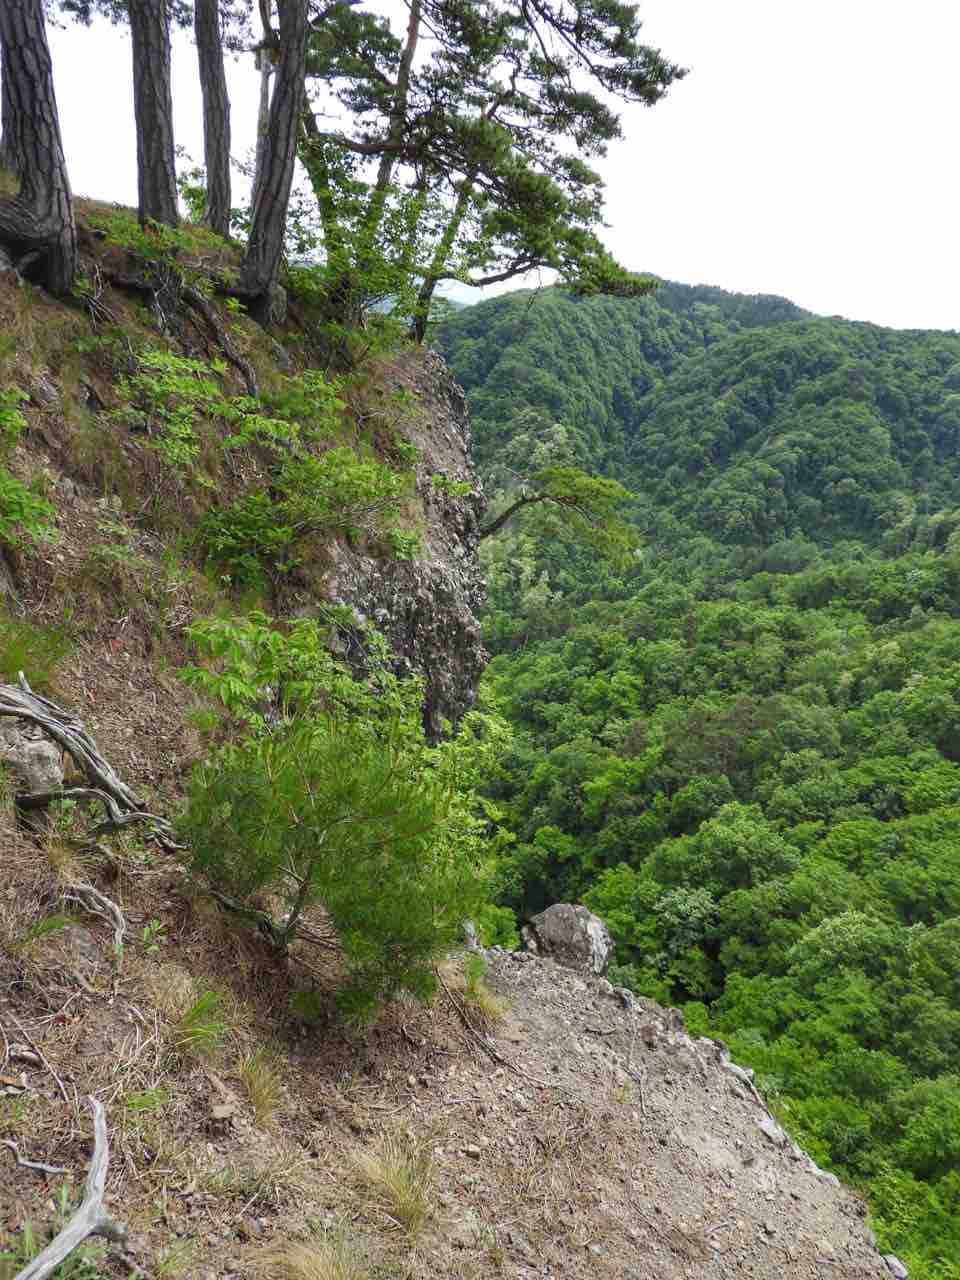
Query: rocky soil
{"x": 678, "y": 1169}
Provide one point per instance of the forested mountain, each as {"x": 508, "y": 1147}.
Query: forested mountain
{"x": 741, "y": 744}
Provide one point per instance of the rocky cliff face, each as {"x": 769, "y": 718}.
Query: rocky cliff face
{"x": 427, "y": 607}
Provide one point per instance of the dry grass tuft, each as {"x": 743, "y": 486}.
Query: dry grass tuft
{"x": 260, "y": 1077}
{"x": 398, "y": 1179}
{"x": 169, "y": 988}
{"x": 467, "y": 983}
{"x": 273, "y": 1178}
{"x": 334, "y": 1258}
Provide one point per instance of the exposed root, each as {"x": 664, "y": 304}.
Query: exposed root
{"x": 91, "y": 1218}
{"x": 19, "y": 700}
{"x": 98, "y": 904}
{"x": 23, "y": 1163}
{"x": 122, "y": 805}
{"x": 194, "y": 298}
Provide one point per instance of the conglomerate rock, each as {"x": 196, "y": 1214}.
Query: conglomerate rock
{"x": 427, "y": 607}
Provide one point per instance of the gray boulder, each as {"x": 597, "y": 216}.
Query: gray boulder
{"x": 34, "y": 759}
{"x": 573, "y": 936}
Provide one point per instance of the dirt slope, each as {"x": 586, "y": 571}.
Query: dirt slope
{"x": 579, "y": 1137}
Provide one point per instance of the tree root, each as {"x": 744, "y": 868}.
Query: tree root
{"x": 19, "y": 700}
{"x": 169, "y": 285}
{"x": 23, "y": 1163}
{"x": 122, "y": 805}
{"x": 98, "y": 904}
{"x": 91, "y": 1218}
{"x": 194, "y": 298}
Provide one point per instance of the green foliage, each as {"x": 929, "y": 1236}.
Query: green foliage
{"x": 337, "y": 801}
{"x": 201, "y": 1031}
{"x": 24, "y": 514}
{"x": 37, "y": 651}
{"x": 482, "y": 150}
{"x": 155, "y": 242}
{"x": 740, "y": 747}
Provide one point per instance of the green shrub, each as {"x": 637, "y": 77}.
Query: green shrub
{"x": 337, "y": 801}
{"x": 330, "y": 812}
{"x": 23, "y": 513}
{"x": 245, "y": 537}
{"x": 37, "y": 651}
{"x": 341, "y": 493}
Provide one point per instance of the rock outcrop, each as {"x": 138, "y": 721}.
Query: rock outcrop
{"x": 573, "y": 936}
{"x": 34, "y": 759}
{"x": 427, "y": 607}
{"x": 680, "y": 1171}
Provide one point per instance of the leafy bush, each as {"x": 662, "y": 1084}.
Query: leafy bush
{"x": 325, "y": 813}
{"x": 337, "y": 492}
{"x": 23, "y": 513}
{"x": 244, "y": 537}
{"x": 335, "y": 800}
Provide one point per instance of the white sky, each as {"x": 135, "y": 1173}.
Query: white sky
{"x": 810, "y": 152}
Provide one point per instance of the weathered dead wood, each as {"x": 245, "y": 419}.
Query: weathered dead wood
{"x": 19, "y": 700}
{"x": 122, "y": 805}
{"x": 36, "y": 1165}
{"x": 98, "y": 904}
{"x": 91, "y": 1218}
{"x": 41, "y": 1055}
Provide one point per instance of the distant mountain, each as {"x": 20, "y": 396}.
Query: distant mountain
{"x": 742, "y": 418}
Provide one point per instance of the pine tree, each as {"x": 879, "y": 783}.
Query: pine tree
{"x": 38, "y": 222}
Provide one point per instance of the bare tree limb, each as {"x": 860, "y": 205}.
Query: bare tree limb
{"x": 20, "y": 701}
{"x": 41, "y": 1055}
{"x": 91, "y": 1218}
{"x": 122, "y": 805}
{"x": 31, "y": 1164}
{"x": 98, "y": 904}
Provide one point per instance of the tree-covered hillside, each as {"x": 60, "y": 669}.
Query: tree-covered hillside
{"x": 740, "y": 744}
{"x": 590, "y": 361}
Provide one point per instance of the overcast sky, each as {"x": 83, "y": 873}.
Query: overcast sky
{"x": 810, "y": 152}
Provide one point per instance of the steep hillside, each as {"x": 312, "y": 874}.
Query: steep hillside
{"x": 588, "y": 362}
{"x": 739, "y": 419}
{"x": 168, "y": 465}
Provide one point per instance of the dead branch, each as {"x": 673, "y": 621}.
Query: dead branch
{"x": 30, "y": 1164}
{"x": 98, "y": 904}
{"x": 122, "y": 805}
{"x": 115, "y": 820}
{"x": 91, "y": 1218}
{"x": 19, "y": 700}
{"x": 41, "y": 1055}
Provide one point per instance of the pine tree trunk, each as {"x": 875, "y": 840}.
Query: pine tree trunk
{"x": 265, "y": 71}
{"x": 264, "y": 63}
{"x": 8, "y": 153}
{"x": 265, "y": 246}
{"x": 441, "y": 256}
{"x": 39, "y": 220}
{"x": 398, "y": 120}
{"x": 153, "y": 111}
{"x": 216, "y": 114}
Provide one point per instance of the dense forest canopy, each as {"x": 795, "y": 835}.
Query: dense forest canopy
{"x": 739, "y": 743}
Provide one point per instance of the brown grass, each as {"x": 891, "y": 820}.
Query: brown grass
{"x": 397, "y": 1180}
{"x": 260, "y": 1076}
{"x": 336, "y": 1257}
